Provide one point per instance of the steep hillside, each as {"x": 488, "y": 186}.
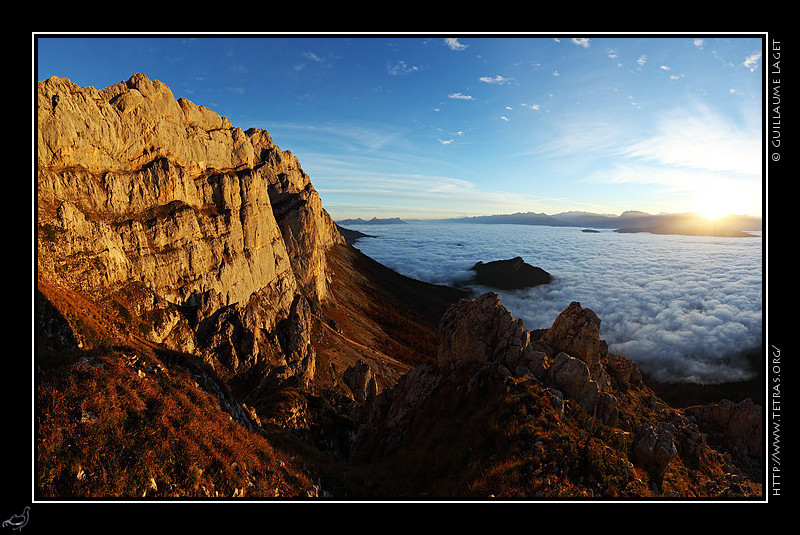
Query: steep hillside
{"x": 204, "y": 330}
{"x": 162, "y": 230}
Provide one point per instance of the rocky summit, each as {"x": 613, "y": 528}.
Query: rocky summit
{"x": 512, "y": 274}
{"x": 203, "y": 330}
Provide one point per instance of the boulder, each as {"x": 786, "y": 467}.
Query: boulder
{"x": 654, "y": 448}
{"x": 571, "y": 376}
{"x": 412, "y": 389}
{"x": 624, "y": 371}
{"x": 576, "y": 332}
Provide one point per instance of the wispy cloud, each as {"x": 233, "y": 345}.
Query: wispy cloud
{"x": 312, "y": 56}
{"x": 614, "y": 55}
{"x": 689, "y": 138}
{"x": 459, "y": 96}
{"x": 309, "y": 56}
{"x": 426, "y": 195}
{"x": 751, "y": 61}
{"x": 496, "y": 80}
{"x": 401, "y": 67}
{"x": 581, "y": 41}
{"x": 700, "y": 139}
{"x": 453, "y": 44}
{"x": 344, "y": 139}
{"x": 688, "y": 154}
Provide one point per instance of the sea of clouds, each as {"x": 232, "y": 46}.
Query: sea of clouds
{"x": 682, "y": 307}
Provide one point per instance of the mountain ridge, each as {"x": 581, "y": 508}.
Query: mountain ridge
{"x": 202, "y": 329}
{"x": 686, "y": 223}
{"x": 632, "y": 221}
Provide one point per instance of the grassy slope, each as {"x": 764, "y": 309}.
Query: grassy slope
{"x": 106, "y": 427}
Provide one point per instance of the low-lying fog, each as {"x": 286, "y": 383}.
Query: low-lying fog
{"x": 681, "y": 306}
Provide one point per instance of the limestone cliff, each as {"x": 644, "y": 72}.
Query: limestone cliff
{"x": 186, "y": 266}
{"x": 137, "y": 188}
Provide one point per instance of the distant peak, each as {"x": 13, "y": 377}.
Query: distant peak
{"x": 633, "y": 213}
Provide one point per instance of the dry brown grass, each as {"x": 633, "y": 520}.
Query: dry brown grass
{"x": 105, "y": 431}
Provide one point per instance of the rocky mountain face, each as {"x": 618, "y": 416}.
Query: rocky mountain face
{"x": 215, "y": 230}
{"x": 203, "y": 329}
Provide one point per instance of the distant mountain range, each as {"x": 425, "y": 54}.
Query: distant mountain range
{"x": 632, "y": 221}
{"x": 690, "y": 224}
{"x": 373, "y": 221}
{"x": 630, "y": 218}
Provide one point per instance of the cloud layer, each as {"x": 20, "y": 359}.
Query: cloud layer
{"x": 681, "y": 307}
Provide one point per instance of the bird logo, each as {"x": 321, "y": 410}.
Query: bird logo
{"x": 17, "y": 522}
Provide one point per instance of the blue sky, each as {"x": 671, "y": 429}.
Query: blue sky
{"x": 428, "y": 126}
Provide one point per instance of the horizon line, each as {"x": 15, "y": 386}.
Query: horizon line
{"x": 601, "y": 214}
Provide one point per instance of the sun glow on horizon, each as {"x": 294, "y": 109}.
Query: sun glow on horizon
{"x": 713, "y": 212}
{"x": 713, "y": 205}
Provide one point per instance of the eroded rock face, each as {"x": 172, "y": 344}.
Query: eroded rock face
{"x": 129, "y": 124}
{"x": 740, "y": 422}
{"x": 360, "y": 379}
{"x": 576, "y": 331}
{"x": 483, "y": 331}
{"x": 300, "y": 355}
{"x": 134, "y": 185}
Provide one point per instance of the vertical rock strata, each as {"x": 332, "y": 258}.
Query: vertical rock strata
{"x": 134, "y": 185}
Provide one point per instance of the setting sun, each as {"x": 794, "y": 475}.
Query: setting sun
{"x": 713, "y": 212}
{"x": 716, "y": 204}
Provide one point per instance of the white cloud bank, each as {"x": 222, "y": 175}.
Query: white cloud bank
{"x": 680, "y": 306}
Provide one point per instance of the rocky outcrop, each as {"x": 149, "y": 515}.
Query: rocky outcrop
{"x": 136, "y": 186}
{"x": 480, "y": 330}
{"x": 510, "y": 274}
{"x": 300, "y": 354}
{"x": 488, "y": 361}
{"x": 738, "y": 423}
{"x": 360, "y": 379}
{"x": 571, "y": 376}
{"x": 654, "y": 448}
{"x": 568, "y": 356}
{"x": 576, "y": 331}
